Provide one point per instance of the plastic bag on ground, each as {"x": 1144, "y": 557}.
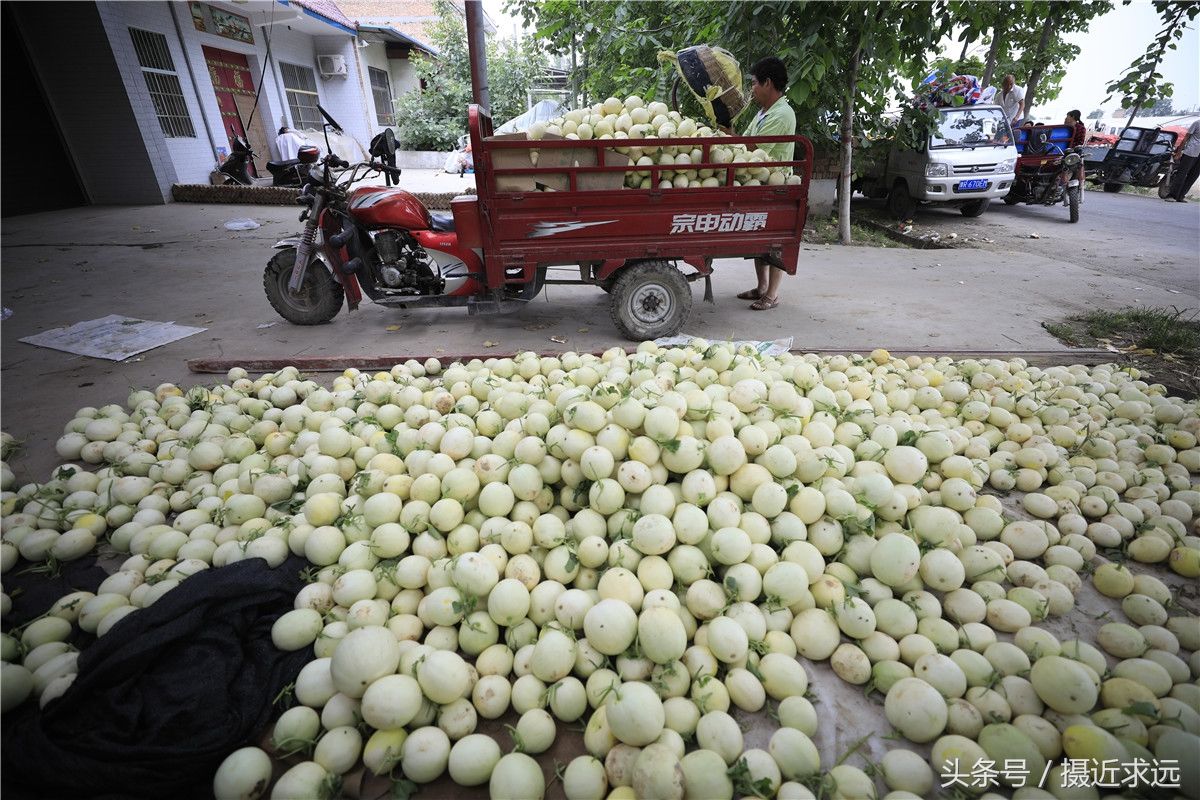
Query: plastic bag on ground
{"x": 241, "y": 224}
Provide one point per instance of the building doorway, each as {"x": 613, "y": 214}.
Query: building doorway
{"x": 41, "y": 177}
{"x": 233, "y": 83}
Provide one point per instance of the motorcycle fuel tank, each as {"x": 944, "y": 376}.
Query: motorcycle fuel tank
{"x": 377, "y": 207}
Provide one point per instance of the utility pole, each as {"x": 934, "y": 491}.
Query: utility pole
{"x": 477, "y": 51}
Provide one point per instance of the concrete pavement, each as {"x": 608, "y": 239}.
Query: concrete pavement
{"x": 177, "y": 262}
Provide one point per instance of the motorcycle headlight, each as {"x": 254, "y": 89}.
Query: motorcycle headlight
{"x": 1008, "y": 165}
{"x": 1071, "y": 159}
{"x": 936, "y": 170}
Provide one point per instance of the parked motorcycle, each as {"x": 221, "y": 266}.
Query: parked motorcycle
{"x": 292, "y": 172}
{"x": 236, "y": 166}
{"x": 374, "y": 240}
{"x": 1047, "y": 169}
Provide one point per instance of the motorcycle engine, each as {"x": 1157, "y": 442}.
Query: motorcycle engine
{"x": 404, "y": 266}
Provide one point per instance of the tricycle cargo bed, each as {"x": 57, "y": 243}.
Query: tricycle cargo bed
{"x": 540, "y": 228}
{"x": 522, "y": 231}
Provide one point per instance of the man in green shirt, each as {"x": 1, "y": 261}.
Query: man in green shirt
{"x": 776, "y": 118}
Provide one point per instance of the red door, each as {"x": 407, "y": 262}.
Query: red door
{"x": 233, "y": 83}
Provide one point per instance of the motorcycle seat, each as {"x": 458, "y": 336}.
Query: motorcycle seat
{"x": 441, "y": 221}
{"x": 278, "y": 165}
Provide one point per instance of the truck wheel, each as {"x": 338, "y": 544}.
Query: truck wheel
{"x": 900, "y": 202}
{"x": 320, "y": 296}
{"x": 1113, "y": 188}
{"x": 650, "y": 299}
{"x": 1073, "y": 202}
{"x": 974, "y": 208}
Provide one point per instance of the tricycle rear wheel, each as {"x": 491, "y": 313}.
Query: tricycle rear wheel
{"x": 650, "y": 299}
{"x": 1113, "y": 188}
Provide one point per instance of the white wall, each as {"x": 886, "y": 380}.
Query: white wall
{"x": 348, "y": 98}
{"x": 190, "y": 160}
{"x": 376, "y": 56}
{"x": 172, "y": 156}
{"x": 291, "y": 47}
{"x": 404, "y": 76}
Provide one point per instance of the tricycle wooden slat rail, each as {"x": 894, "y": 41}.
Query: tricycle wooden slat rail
{"x": 519, "y": 233}
{"x": 1037, "y": 358}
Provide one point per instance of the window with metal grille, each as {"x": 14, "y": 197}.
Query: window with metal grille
{"x": 300, "y": 84}
{"x": 158, "y": 68}
{"x": 381, "y": 88}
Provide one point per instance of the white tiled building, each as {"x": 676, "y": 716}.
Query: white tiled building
{"x": 146, "y": 94}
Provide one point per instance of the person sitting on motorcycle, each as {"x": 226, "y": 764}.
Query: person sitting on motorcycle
{"x": 1078, "y": 137}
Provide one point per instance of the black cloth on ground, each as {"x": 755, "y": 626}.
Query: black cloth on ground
{"x": 165, "y": 695}
{"x": 33, "y": 593}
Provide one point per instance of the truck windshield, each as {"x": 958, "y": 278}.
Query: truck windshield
{"x": 970, "y": 127}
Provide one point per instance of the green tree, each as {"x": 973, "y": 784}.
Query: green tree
{"x": 436, "y": 116}
{"x": 1143, "y": 80}
{"x": 1026, "y": 39}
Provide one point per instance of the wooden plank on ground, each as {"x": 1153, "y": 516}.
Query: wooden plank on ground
{"x": 1037, "y": 358}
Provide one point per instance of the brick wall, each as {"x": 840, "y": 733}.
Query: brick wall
{"x": 827, "y": 161}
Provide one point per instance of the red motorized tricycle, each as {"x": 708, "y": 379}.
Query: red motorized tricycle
{"x": 496, "y": 250}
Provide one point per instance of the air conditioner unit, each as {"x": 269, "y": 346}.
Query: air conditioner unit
{"x": 330, "y": 66}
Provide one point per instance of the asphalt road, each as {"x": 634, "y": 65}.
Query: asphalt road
{"x": 1154, "y": 242}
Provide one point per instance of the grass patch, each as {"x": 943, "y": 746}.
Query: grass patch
{"x": 1164, "y": 341}
{"x": 825, "y": 231}
{"x": 1167, "y": 331}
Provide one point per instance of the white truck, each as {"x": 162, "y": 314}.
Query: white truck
{"x": 968, "y": 159}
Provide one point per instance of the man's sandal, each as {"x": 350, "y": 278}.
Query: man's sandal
{"x": 764, "y": 304}
{"x": 750, "y": 294}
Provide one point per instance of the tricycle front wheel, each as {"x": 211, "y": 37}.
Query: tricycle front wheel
{"x": 650, "y": 299}
{"x": 320, "y": 296}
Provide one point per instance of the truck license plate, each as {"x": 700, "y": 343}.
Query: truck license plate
{"x": 972, "y": 185}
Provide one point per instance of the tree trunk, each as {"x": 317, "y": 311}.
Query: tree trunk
{"x": 1133, "y": 112}
{"x": 847, "y": 143}
{"x": 966, "y": 46}
{"x": 1035, "y": 75}
{"x": 993, "y": 54}
{"x": 574, "y": 72}
{"x": 585, "y": 77}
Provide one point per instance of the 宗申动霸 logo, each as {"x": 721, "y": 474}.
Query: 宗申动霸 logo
{"x": 729, "y": 222}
